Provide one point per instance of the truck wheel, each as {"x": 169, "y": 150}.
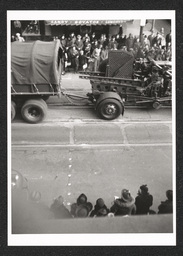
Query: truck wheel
{"x": 44, "y": 103}
{"x": 156, "y": 105}
{"x": 13, "y": 110}
{"x": 34, "y": 111}
{"x": 109, "y": 109}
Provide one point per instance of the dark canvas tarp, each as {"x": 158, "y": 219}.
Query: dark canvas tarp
{"x": 35, "y": 62}
{"x": 120, "y": 64}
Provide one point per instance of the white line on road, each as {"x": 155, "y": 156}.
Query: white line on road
{"x": 93, "y": 121}
{"x": 32, "y": 145}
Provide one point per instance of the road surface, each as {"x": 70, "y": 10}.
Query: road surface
{"x": 74, "y": 152}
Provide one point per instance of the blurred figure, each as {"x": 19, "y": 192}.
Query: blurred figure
{"x": 143, "y": 201}
{"x": 157, "y": 39}
{"x": 13, "y": 38}
{"x": 19, "y": 38}
{"x": 166, "y": 206}
{"x": 129, "y": 42}
{"x": 151, "y": 37}
{"x": 59, "y": 210}
{"x": 137, "y": 45}
{"x": 100, "y": 209}
{"x": 168, "y": 39}
{"x": 124, "y": 205}
{"x": 93, "y": 37}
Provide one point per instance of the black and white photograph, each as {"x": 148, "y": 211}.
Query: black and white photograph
{"x": 91, "y": 128}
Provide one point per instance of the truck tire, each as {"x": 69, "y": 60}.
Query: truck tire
{"x": 156, "y": 105}
{"x": 34, "y": 111}
{"x": 109, "y": 109}
{"x": 13, "y": 110}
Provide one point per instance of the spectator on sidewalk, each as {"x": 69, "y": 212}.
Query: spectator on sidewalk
{"x": 96, "y": 56}
{"x": 143, "y": 201}
{"x": 125, "y": 205}
{"x": 166, "y": 206}
{"x": 59, "y": 210}
{"x": 104, "y": 53}
{"x": 129, "y": 42}
{"x": 82, "y": 60}
{"x": 100, "y": 209}
{"x": 113, "y": 41}
{"x": 81, "y": 208}
{"x": 75, "y": 59}
{"x": 79, "y": 43}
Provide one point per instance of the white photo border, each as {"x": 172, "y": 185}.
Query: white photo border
{"x": 90, "y": 239}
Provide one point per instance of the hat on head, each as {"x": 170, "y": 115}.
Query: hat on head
{"x": 78, "y": 36}
{"x": 125, "y": 195}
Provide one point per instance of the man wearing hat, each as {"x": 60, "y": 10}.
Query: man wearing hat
{"x": 143, "y": 201}
{"x": 124, "y": 205}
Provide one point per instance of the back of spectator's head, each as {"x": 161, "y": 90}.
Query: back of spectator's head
{"x": 100, "y": 202}
{"x": 144, "y": 188}
{"x": 169, "y": 194}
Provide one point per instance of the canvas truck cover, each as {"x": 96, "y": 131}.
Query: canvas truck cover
{"x": 120, "y": 64}
{"x": 35, "y": 62}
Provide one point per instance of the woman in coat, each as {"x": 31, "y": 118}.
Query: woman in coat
{"x": 124, "y": 205}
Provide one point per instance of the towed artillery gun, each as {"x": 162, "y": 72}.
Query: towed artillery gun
{"x": 36, "y": 75}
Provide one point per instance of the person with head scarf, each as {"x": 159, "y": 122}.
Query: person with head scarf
{"x": 81, "y": 208}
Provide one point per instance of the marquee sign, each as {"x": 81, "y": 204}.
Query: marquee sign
{"x": 84, "y": 22}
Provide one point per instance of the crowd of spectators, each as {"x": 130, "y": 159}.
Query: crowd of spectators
{"x": 125, "y": 205}
{"x": 87, "y": 52}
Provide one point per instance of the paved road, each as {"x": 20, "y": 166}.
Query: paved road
{"x": 73, "y": 151}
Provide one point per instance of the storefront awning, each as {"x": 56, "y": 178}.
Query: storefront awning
{"x": 84, "y": 22}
